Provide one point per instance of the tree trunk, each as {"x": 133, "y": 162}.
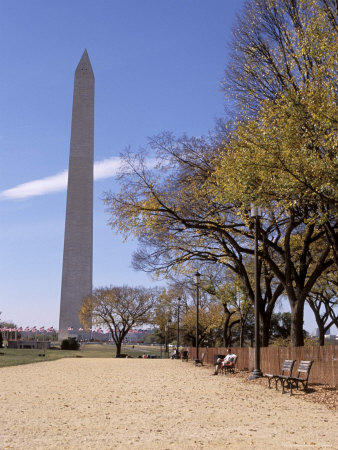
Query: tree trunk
{"x": 266, "y": 312}
{"x": 265, "y": 322}
{"x": 265, "y": 332}
{"x": 320, "y": 323}
{"x": 241, "y": 335}
{"x": 118, "y": 348}
{"x": 297, "y": 316}
{"x": 332, "y": 238}
{"x": 227, "y": 315}
{"x": 321, "y": 337}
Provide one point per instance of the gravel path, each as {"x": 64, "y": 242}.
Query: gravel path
{"x": 151, "y": 404}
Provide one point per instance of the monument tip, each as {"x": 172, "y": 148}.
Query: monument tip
{"x": 84, "y": 64}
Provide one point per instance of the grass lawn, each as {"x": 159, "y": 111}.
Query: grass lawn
{"x": 15, "y": 357}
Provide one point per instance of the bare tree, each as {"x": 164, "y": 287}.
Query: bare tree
{"x": 119, "y": 309}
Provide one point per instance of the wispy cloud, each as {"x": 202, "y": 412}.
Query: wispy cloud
{"x": 106, "y": 168}
{"x": 102, "y": 169}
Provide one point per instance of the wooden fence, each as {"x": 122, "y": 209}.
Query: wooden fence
{"x": 323, "y": 371}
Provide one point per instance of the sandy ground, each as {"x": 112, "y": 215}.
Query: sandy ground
{"x": 151, "y": 404}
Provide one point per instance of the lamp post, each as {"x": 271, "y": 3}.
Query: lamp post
{"x": 197, "y": 279}
{"x": 256, "y": 213}
{"x": 167, "y": 337}
{"x": 178, "y": 325}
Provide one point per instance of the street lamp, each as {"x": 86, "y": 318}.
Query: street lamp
{"x": 178, "y": 325}
{"x": 256, "y": 213}
{"x": 197, "y": 279}
{"x": 165, "y": 339}
{"x": 166, "y": 329}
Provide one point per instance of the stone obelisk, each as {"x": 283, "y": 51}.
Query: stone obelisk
{"x": 78, "y": 241}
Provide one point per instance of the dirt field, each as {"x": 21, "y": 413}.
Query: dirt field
{"x": 151, "y": 404}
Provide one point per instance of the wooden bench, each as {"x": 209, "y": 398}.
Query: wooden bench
{"x": 200, "y": 361}
{"x": 229, "y": 367}
{"x": 303, "y": 373}
{"x": 286, "y": 371}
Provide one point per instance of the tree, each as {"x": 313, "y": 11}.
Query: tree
{"x": 70, "y": 344}
{"x": 293, "y": 234}
{"x": 245, "y": 312}
{"x": 119, "y": 309}
{"x": 283, "y": 64}
{"x": 173, "y": 210}
{"x": 323, "y": 301}
{"x": 237, "y": 306}
{"x": 1, "y": 340}
{"x": 226, "y": 294}
{"x": 283, "y": 74}
{"x": 277, "y": 45}
{"x": 210, "y": 319}
{"x": 282, "y": 154}
{"x": 281, "y": 325}
{"x": 5, "y": 324}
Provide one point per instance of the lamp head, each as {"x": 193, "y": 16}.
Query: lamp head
{"x": 197, "y": 277}
{"x": 256, "y": 211}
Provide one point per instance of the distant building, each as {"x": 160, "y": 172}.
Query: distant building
{"x": 316, "y": 333}
{"x": 330, "y": 337}
{"x": 41, "y": 345}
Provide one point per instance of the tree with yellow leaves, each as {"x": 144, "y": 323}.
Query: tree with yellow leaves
{"x": 280, "y": 154}
{"x": 283, "y": 152}
{"x": 210, "y": 320}
{"x": 171, "y": 207}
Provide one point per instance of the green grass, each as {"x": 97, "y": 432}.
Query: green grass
{"x": 139, "y": 350}
{"x": 15, "y": 357}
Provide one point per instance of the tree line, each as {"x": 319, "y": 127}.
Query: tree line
{"x": 171, "y": 311}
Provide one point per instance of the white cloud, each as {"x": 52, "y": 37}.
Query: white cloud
{"x": 56, "y": 183}
{"x": 43, "y": 186}
{"x": 106, "y": 168}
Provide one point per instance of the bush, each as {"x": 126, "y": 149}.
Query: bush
{"x": 70, "y": 344}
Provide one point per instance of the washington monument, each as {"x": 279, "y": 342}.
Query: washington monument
{"x": 78, "y": 242}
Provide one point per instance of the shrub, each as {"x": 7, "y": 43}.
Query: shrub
{"x": 70, "y": 344}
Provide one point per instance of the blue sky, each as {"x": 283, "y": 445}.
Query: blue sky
{"x": 158, "y": 65}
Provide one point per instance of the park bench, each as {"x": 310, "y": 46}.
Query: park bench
{"x": 184, "y": 355}
{"x": 303, "y": 373}
{"x": 200, "y": 361}
{"x": 229, "y": 367}
{"x": 286, "y": 371}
